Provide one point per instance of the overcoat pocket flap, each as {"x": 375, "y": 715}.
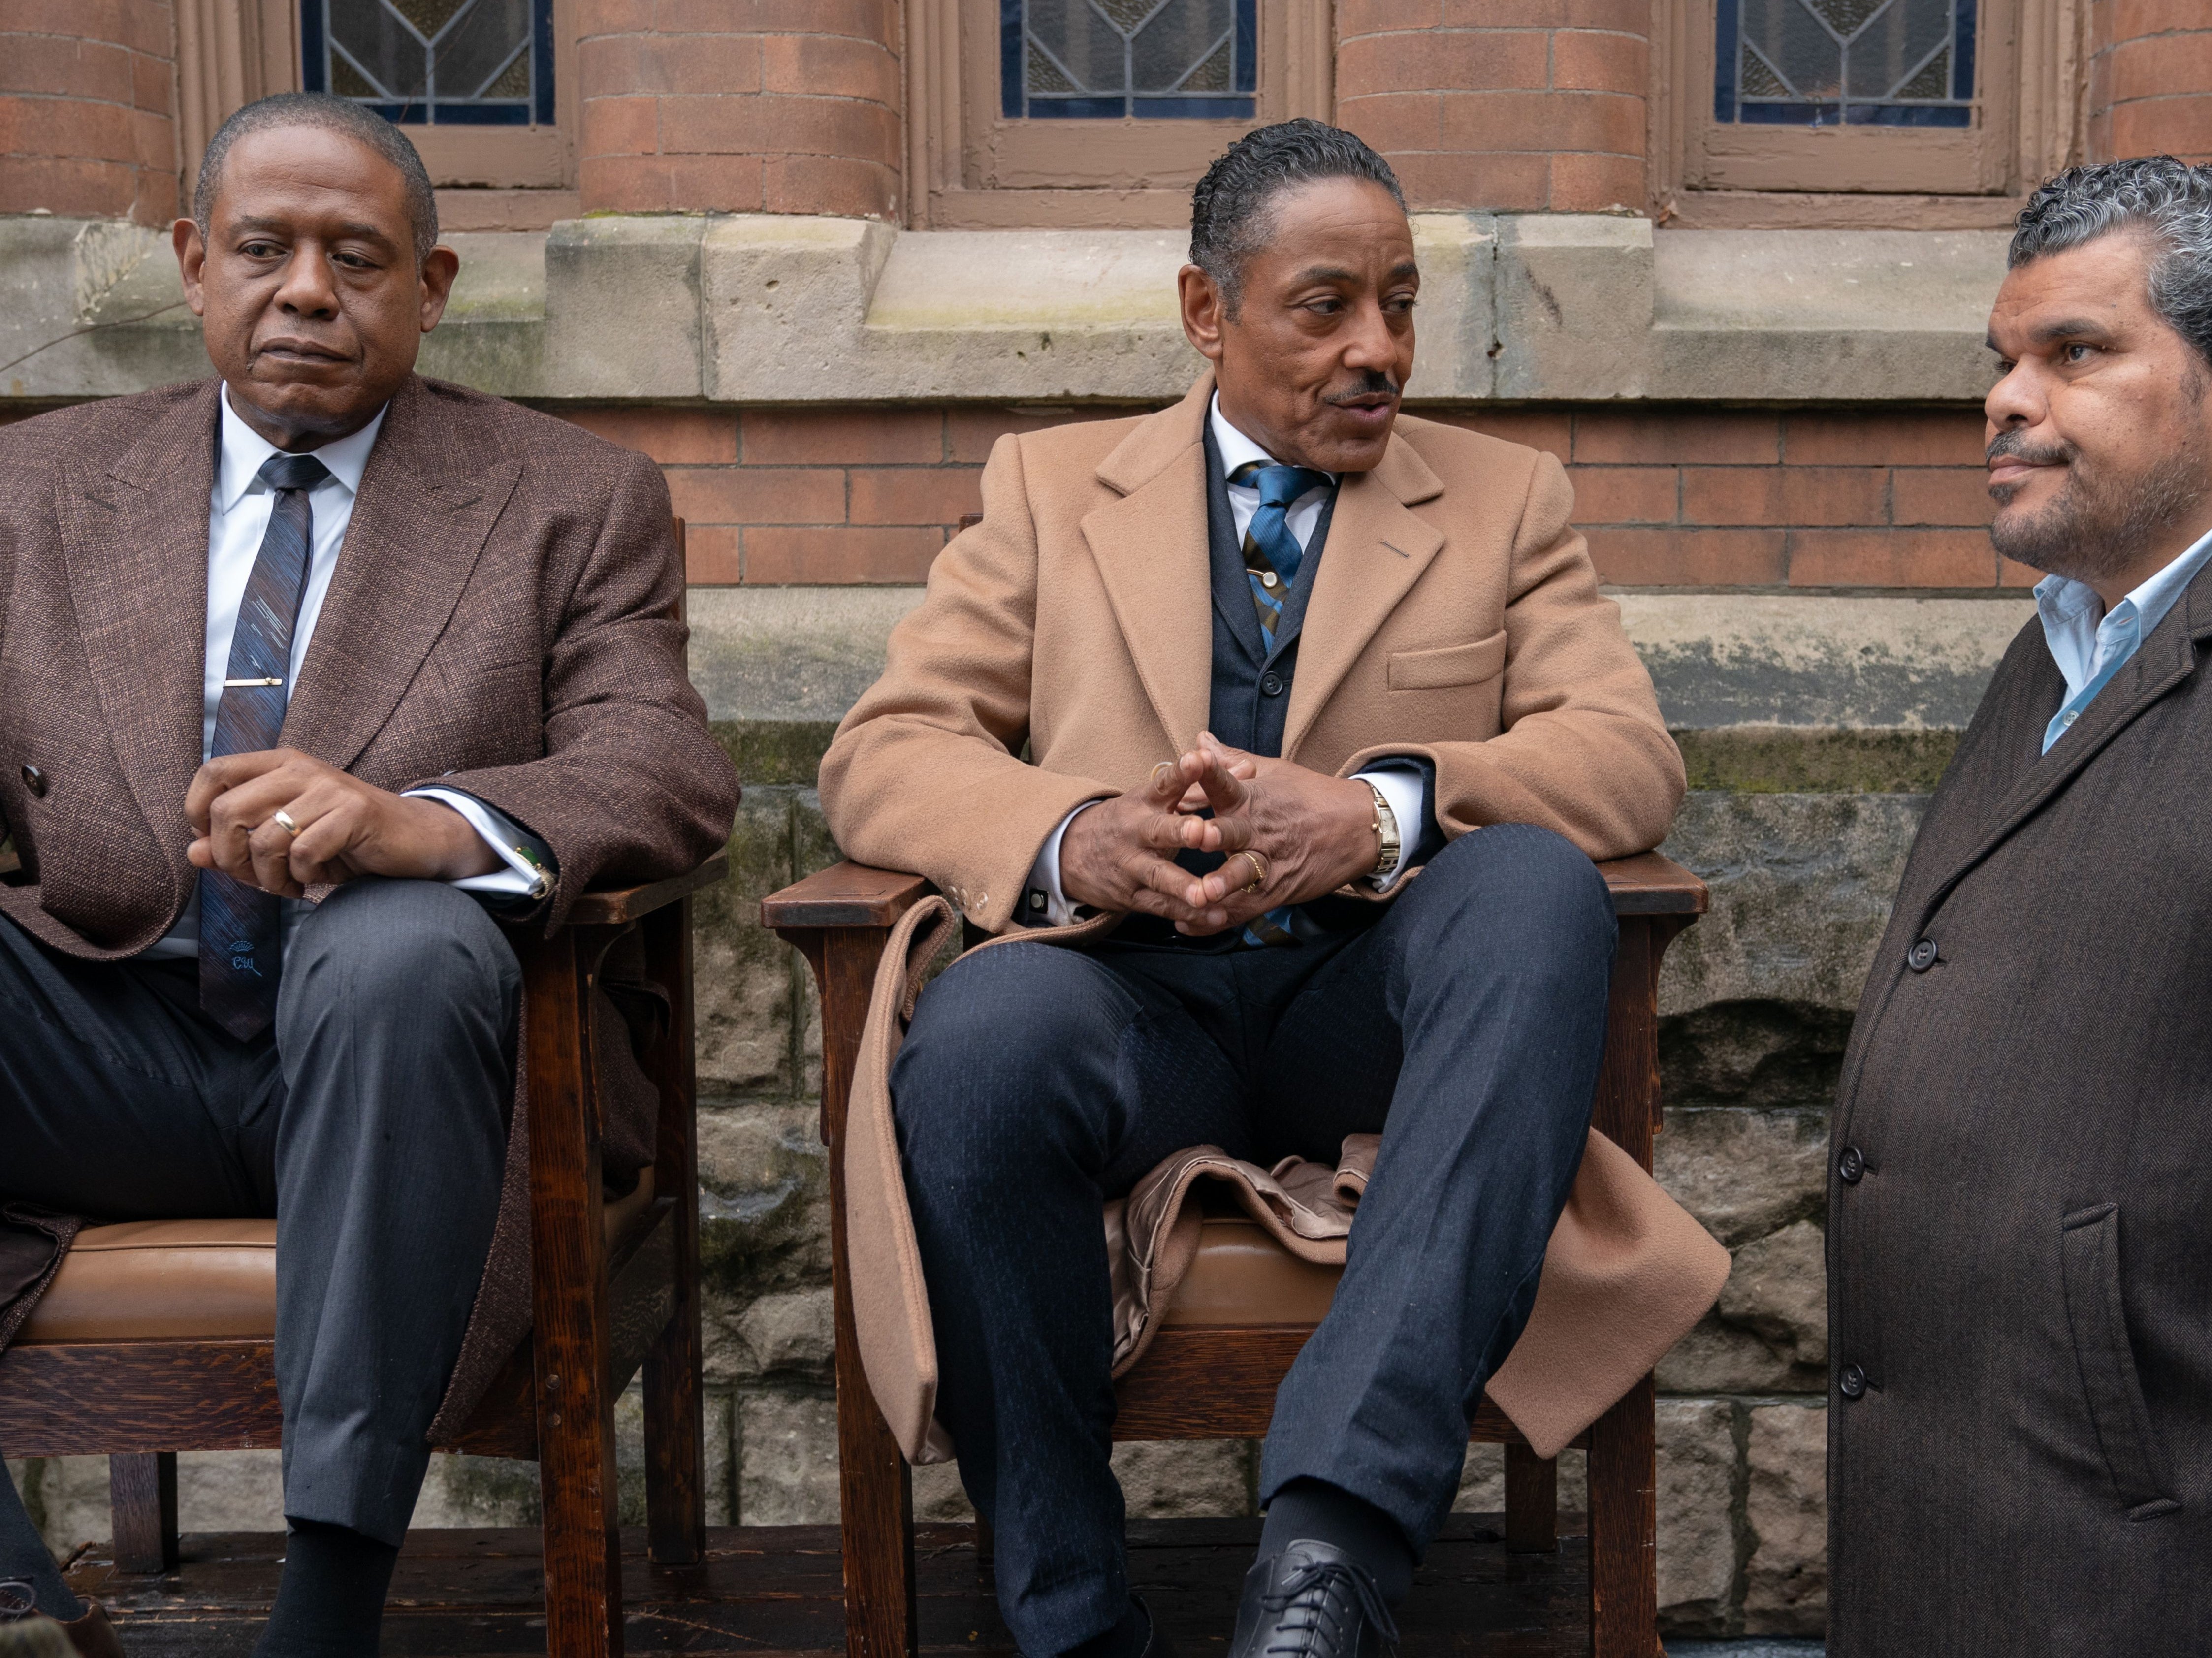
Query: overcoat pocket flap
{"x": 2089, "y": 1249}
{"x": 1453, "y": 664}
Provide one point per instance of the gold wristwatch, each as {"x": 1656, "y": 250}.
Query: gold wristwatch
{"x": 1387, "y": 844}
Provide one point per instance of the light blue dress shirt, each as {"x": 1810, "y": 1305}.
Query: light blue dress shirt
{"x": 2090, "y": 648}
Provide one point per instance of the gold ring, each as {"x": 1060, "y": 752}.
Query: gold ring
{"x": 285, "y": 821}
{"x": 1259, "y": 870}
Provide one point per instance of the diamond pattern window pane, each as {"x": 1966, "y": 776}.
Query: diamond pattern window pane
{"x": 434, "y": 62}
{"x": 1109, "y": 59}
{"x": 1823, "y": 62}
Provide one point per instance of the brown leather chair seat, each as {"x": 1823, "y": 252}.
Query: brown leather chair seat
{"x": 1242, "y": 1276}
{"x": 200, "y": 1280}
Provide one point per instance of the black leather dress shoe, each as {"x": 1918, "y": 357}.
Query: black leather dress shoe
{"x": 1312, "y": 1601}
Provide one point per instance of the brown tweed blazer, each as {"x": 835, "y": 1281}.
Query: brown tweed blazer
{"x": 502, "y": 621}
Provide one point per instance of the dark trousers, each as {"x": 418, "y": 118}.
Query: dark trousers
{"x": 1467, "y": 1025}
{"x": 370, "y": 1121}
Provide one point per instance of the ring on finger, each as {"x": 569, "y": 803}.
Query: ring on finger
{"x": 285, "y": 821}
{"x": 1259, "y": 870}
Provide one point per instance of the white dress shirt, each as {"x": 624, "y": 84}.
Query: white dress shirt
{"x": 2089, "y": 644}
{"x": 1404, "y": 789}
{"x": 238, "y": 517}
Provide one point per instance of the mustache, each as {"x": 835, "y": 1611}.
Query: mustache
{"x": 2015, "y": 445}
{"x": 1373, "y": 383}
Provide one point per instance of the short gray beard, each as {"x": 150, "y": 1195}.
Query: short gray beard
{"x": 2099, "y": 528}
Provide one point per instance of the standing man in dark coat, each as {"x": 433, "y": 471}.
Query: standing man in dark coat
{"x": 2019, "y": 1245}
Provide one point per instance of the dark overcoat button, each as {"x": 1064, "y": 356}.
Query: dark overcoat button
{"x": 1271, "y": 683}
{"x": 1850, "y": 1165}
{"x": 1852, "y": 1381}
{"x": 35, "y": 780}
{"x": 1922, "y": 955}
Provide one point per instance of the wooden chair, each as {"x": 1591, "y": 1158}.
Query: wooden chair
{"x": 1246, "y": 1307}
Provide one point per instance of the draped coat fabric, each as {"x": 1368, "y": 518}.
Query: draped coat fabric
{"x": 2020, "y": 1275}
{"x": 1455, "y": 615}
{"x": 502, "y": 621}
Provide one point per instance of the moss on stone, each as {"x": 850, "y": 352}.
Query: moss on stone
{"x": 772, "y": 751}
{"x": 1816, "y": 760}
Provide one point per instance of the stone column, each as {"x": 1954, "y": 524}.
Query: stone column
{"x": 2150, "y": 79}
{"x": 740, "y": 106}
{"x": 88, "y": 108}
{"x": 1515, "y": 104}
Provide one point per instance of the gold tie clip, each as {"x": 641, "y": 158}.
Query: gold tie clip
{"x": 228, "y": 684}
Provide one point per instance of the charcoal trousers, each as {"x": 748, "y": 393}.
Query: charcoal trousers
{"x": 370, "y": 1121}
{"x": 1467, "y": 1025}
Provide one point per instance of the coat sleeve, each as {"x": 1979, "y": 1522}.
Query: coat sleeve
{"x": 1583, "y": 749}
{"x": 632, "y": 786}
{"x": 925, "y": 773}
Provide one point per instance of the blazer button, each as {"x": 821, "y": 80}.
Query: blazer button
{"x": 1850, "y": 1165}
{"x": 1922, "y": 955}
{"x": 1852, "y": 1381}
{"x": 1271, "y": 683}
{"x": 35, "y": 780}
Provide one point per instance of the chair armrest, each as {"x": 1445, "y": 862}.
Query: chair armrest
{"x": 612, "y": 906}
{"x": 1648, "y": 884}
{"x": 844, "y": 895}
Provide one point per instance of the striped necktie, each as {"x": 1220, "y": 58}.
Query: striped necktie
{"x": 240, "y": 926}
{"x": 1272, "y": 553}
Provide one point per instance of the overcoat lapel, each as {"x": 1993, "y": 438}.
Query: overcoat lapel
{"x": 1377, "y": 551}
{"x": 135, "y": 539}
{"x": 415, "y": 534}
{"x": 1153, "y": 555}
{"x": 2165, "y": 660}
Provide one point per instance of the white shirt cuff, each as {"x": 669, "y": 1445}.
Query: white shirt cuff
{"x": 1409, "y": 803}
{"x": 520, "y": 878}
{"x": 1044, "y": 903}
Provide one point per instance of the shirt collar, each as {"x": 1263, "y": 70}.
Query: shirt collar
{"x": 2065, "y": 603}
{"x": 1237, "y": 450}
{"x": 245, "y": 452}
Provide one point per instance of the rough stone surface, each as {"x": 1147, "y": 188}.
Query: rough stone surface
{"x": 1482, "y": 1481}
{"x": 1786, "y": 1580}
{"x": 1176, "y": 1479}
{"x": 1778, "y": 1292}
{"x": 1574, "y": 301}
{"x": 787, "y": 1459}
{"x": 793, "y": 1333}
{"x": 746, "y": 977}
{"x": 764, "y": 1226}
{"x": 1696, "y": 1501}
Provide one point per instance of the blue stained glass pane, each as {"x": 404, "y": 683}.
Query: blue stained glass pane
{"x": 1108, "y": 59}
{"x": 1857, "y": 63}
{"x": 468, "y": 62}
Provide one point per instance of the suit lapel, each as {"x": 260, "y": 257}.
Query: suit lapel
{"x": 1377, "y": 550}
{"x": 135, "y": 540}
{"x": 413, "y": 541}
{"x": 1153, "y": 555}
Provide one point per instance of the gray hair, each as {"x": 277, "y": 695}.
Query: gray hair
{"x": 2169, "y": 200}
{"x": 1229, "y": 221}
{"x": 332, "y": 114}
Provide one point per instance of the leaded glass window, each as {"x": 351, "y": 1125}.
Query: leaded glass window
{"x": 1102, "y": 59}
{"x": 1867, "y": 62}
{"x": 481, "y": 63}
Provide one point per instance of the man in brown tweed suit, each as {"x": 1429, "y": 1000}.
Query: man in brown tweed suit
{"x": 317, "y": 629}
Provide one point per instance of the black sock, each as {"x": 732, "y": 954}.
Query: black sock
{"x": 1125, "y": 1640}
{"x": 1315, "y": 1509}
{"x": 24, "y": 1558}
{"x": 330, "y": 1602}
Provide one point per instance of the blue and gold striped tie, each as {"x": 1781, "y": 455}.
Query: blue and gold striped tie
{"x": 240, "y": 940}
{"x": 1272, "y": 553}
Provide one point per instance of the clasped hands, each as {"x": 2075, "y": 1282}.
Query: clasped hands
{"x": 1311, "y": 833}
{"x": 282, "y": 821}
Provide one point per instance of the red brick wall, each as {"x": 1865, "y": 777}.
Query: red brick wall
{"x": 740, "y": 106}
{"x": 88, "y": 108}
{"x": 2150, "y": 78}
{"x": 1669, "y": 497}
{"x": 1504, "y": 104}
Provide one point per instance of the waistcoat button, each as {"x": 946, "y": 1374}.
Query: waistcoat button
{"x": 35, "y": 780}
{"x": 1922, "y": 955}
{"x": 1852, "y": 1381}
{"x": 1850, "y": 1165}
{"x": 1271, "y": 683}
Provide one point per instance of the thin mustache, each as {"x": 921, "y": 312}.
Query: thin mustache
{"x": 1388, "y": 389}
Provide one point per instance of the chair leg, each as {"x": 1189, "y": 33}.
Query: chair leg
{"x": 876, "y": 1490}
{"x": 675, "y": 1429}
{"x": 1624, "y": 1527}
{"x": 1532, "y": 1501}
{"x": 142, "y": 1497}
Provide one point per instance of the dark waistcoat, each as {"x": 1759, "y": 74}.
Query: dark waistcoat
{"x": 2020, "y": 1244}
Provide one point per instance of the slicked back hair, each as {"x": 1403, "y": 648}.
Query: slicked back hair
{"x": 331, "y": 114}
{"x": 1231, "y": 211}
{"x": 2168, "y": 200}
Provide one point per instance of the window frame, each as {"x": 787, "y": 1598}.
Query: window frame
{"x": 1713, "y": 174}
{"x": 971, "y": 168}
